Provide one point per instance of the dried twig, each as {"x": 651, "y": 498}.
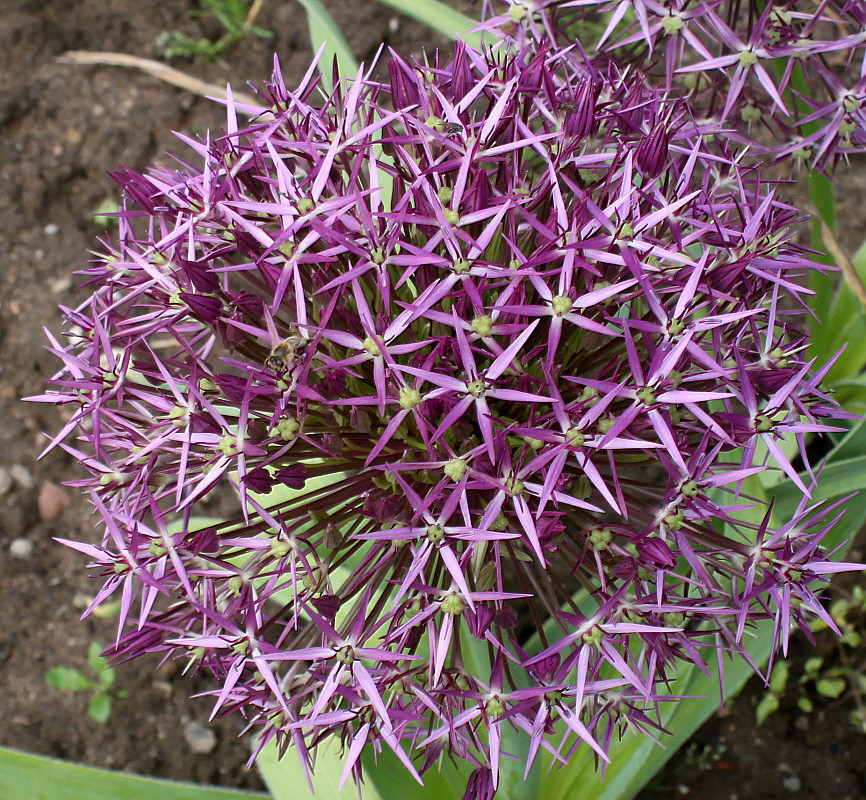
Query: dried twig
{"x": 252, "y": 14}
{"x": 157, "y": 70}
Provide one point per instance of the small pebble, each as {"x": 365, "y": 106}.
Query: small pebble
{"x": 21, "y": 548}
{"x": 60, "y": 285}
{"x": 5, "y": 481}
{"x": 21, "y": 475}
{"x": 200, "y": 738}
{"x": 792, "y": 783}
{"x": 802, "y": 722}
{"x": 163, "y": 688}
{"x": 51, "y": 229}
{"x": 52, "y": 500}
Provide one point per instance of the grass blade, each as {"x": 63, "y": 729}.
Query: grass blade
{"x": 324, "y": 31}
{"x": 440, "y": 17}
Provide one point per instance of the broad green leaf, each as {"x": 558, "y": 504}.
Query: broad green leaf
{"x": 286, "y": 781}
{"x": 324, "y": 31}
{"x": 445, "y": 781}
{"x": 99, "y": 707}
{"x": 843, "y": 324}
{"x": 67, "y": 678}
{"x": 823, "y": 198}
{"x": 858, "y": 381}
{"x": 31, "y": 777}
{"x": 852, "y": 444}
{"x": 440, "y": 17}
{"x": 512, "y": 784}
{"x": 837, "y": 479}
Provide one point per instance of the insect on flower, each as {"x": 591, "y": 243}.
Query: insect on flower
{"x": 286, "y": 353}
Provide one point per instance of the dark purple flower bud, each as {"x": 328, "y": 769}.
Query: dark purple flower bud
{"x": 507, "y": 618}
{"x": 292, "y": 476}
{"x": 259, "y": 480}
{"x": 480, "y": 785}
{"x": 651, "y": 153}
{"x": 655, "y": 552}
{"x": 579, "y": 109}
{"x": 360, "y": 420}
{"x": 327, "y": 605}
{"x": 478, "y": 621}
{"x": 198, "y": 276}
{"x": 206, "y": 308}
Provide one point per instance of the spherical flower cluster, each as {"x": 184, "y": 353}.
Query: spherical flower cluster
{"x": 794, "y": 70}
{"x": 484, "y": 356}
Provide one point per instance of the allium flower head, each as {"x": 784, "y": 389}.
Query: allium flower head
{"x": 749, "y": 65}
{"x": 485, "y": 355}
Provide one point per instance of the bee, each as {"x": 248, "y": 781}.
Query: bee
{"x": 286, "y": 353}
{"x": 452, "y": 129}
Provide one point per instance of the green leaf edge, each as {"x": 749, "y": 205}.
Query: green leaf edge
{"x": 33, "y": 777}
{"x": 440, "y": 18}
{"x": 324, "y": 31}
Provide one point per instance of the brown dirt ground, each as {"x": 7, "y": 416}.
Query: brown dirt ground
{"x": 62, "y": 127}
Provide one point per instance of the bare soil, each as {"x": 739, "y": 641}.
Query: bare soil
{"x": 61, "y": 128}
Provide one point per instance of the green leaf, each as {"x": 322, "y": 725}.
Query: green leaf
{"x": 779, "y": 677}
{"x": 67, "y": 678}
{"x": 30, "y": 777}
{"x": 769, "y": 705}
{"x": 830, "y": 687}
{"x": 106, "y": 678}
{"x": 100, "y": 214}
{"x": 94, "y": 660}
{"x": 99, "y": 707}
{"x": 324, "y": 31}
{"x": 436, "y": 15}
{"x": 851, "y": 445}
{"x": 813, "y": 666}
{"x": 837, "y": 479}
{"x": 286, "y": 781}
{"x": 823, "y": 197}
{"x": 107, "y": 610}
{"x": 446, "y": 781}
{"x": 805, "y": 705}
{"x": 231, "y": 14}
